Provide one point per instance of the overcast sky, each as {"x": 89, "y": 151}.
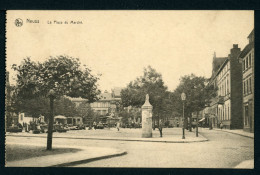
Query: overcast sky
{"x": 119, "y": 44}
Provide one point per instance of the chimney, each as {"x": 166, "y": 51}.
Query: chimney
{"x": 235, "y": 50}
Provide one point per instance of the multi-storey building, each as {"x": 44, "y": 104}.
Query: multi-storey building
{"x": 210, "y": 113}
{"x": 226, "y": 107}
{"x": 107, "y": 102}
{"x": 247, "y": 59}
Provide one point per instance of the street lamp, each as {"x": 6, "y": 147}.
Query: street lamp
{"x": 183, "y": 98}
{"x": 50, "y": 126}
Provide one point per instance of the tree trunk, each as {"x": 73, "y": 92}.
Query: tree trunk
{"x": 50, "y": 127}
{"x": 190, "y": 124}
{"x": 197, "y": 129}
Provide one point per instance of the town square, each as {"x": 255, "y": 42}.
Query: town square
{"x": 130, "y": 89}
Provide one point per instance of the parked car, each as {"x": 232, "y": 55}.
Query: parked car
{"x": 73, "y": 127}
{"x": 44, "y": 128}
{"x": 100, "y": 126}
{"x": 14, "y": 129}
{"x": 170, "y": 126}
{"x": 105, "y": 124}
{"x": 82, "y": 127}
{"x": 36, "y": 131}
{"x": 138, "y": 125}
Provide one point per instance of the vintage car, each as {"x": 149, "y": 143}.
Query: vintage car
{"x": 100, "y": 126}
{"x": 14, "y": 129}
{"x": 73, "y": 127}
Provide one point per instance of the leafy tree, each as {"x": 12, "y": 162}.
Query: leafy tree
{"x": 125, "y": 116}
{"x": 86, "y": 112}
{"x": 150, "y": 83}
{"x": 57, "y": 76}
{"x": 64, "y": 106}
{"x": 198, "y": 94}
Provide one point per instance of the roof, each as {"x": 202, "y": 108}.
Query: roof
{"x": 105, "y": 96}
{"x": 251, "y": 33}
{"x": 217, "y": 62}
{"x": 246, "y": 50}
{"x": 60, "y": 117}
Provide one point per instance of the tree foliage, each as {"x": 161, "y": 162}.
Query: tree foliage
{"x": 198, "y": 94}
{"x": 86, "y": 112}
{"x": 62, "y": 74}
{"x": 151, "y": 83}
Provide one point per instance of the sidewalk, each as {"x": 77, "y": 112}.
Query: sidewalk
{"x": 87, "y": 154}
{"x": 237, "y": 131}
{"x": 247, "y": 164}
{"x": 169, "y": 136}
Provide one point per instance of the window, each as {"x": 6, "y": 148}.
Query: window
{"x": 244, "y": 64}
{"x": 223, "y": 89}
{"x": 246, "y": 116}
{"x": 249, "y": 60}
{"x": 219, "y": 114}
{"x": 247, "y": 89}
{"x": 224, "y": 112}
{"x": 250, "y": 86}
{"x": 227, "y": 85}
{"x": 244, "y": 87}
{"x": 228, "y": 112}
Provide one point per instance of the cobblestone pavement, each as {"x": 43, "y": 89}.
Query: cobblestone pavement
{"x": 223, "y": 150}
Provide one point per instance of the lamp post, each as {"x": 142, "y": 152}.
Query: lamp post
{"x": 183, "y": 98}
{"x": 197, "y": 129}
{"x": 50, "y": 126}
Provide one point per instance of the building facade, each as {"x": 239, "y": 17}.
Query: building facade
{"x": 246, "y": 59}
{"x": 226, "y": 107}
{"x": 107, "y": 102}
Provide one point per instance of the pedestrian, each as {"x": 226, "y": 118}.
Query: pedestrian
{"x": 94, "y": 125}
{"x": 160, "y": 127}
{"x": 221, "y": 125}
{"x": 117, "y": 126}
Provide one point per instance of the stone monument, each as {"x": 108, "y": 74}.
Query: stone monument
{"x": 147, "y": 118}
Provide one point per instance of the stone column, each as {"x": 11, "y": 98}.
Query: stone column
{"x": 147, "y": 118}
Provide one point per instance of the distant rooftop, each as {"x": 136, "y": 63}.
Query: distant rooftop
{"x": 105, "y": 96}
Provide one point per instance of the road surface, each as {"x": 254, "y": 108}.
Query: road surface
{"x": 223, "y": 150}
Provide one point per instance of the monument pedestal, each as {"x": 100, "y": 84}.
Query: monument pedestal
{"x": 147, "y": 118}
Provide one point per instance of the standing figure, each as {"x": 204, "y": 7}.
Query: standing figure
{"x": 221, "y": 125}
{"x": 160, "y": 127}
{"x": 117, "y": 126}
{"x": 95, "y": 125}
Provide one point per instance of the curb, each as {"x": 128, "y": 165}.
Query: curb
{"x": 136, "y": 140}
{"x": 88, "y": 160}
{"x": 236, "y": 133}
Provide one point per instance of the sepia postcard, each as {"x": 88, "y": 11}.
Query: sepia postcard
{"x": 130, "y": 89}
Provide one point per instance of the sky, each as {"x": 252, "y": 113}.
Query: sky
{"x": 119, "y": 44}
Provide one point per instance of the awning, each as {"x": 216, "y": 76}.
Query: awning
{"x": 60, "y": 117}
{"x": 201, "y": 120}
